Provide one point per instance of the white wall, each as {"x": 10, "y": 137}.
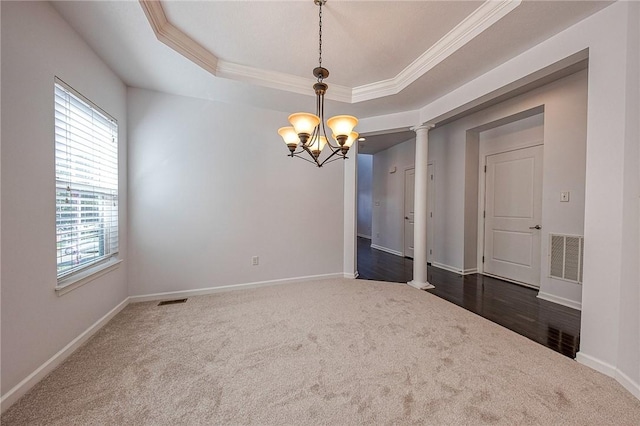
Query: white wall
{"x": 629, "y": 311}
{"x": 612, "y": 39}
{"x": 388, "y": 196}
{"x": 447, "y": 152}
{"x": 211, "y": 186}
{"x": 365, "y": 181}
{"x": 36, "y": 323}
{"x": 453, "y": 147}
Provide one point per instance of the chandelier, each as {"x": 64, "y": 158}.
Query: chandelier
{"x": 307, "y": 133}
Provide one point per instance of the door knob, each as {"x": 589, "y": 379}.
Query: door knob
{"x": 535, "y": 227}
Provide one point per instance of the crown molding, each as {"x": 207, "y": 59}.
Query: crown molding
{"x": 482, "y": 18}
{"x": 279, "y": 80}
{"x": 177, "y": 40}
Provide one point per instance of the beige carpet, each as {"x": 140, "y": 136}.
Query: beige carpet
{"x": 340, "y": 352}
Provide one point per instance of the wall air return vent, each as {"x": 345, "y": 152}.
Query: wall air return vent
{"x": 566, "y": 257}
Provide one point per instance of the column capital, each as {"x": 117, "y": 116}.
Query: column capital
{"x": 426, "y": 126}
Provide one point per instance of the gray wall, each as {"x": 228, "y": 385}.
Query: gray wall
{"x": 36, "y": 323}
{"x": 365, "y": 194}
{"x": 454, "y": 150}
{"x": 388, "y": 196}
{"x": 208, "y": 191}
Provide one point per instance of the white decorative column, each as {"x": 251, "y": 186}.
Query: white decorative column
{"x": 420, "y": 209}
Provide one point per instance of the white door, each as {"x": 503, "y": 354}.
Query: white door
{"x": 513, "y": 211}
{"x": 409, "y": 194}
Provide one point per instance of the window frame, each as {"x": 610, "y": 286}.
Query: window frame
{"x": 96, "y": 222}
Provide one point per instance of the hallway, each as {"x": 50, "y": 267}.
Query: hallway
{"x": 512, "y": 306}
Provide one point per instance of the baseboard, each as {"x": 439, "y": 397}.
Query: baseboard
{"x": 596, "y": 364}
{"x": 350, "y": 276}
{"x": 448, "y": 268}
{"x": 386, "y": 250}
{"x": 611, "y": 371}
{"x": 509, "y": 280}
{"x": 469, "y": 271}
{"x": 560, "y": 300}
{"x": 210, "y": 290}
{"x": 627, "y": 383}
{"x": 368, "y": 237}
{"x": 32, "y": 379}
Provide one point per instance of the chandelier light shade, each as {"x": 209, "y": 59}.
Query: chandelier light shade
{"x": 306, "y": 138}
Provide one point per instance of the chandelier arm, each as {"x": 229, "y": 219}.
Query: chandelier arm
{"x": 337, "y": 158}
{"x": 306, "y": 159}
{"x": 327, "y": 161}
{"x": 333, "y": 153}
{"x": 315, "y": 160}
{"x": 320, "y": 102}
{"x": 320, "y": 106}
{"x": 333, "y": 148}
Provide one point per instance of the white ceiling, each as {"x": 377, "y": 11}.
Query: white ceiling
{"x": 364, "y": 43}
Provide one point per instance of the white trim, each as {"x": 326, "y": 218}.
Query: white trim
{"x": 447, "y": 267}
{"x": 473, "y": 25}
{"x": 38, "y": 374}
{"x": 454, "y": 269}
{"x": 279, "y": 80}
{"x": 350, "y": 276}
{"x": 509, "y": 280}
{"x": 77, "y": 280}
{"x": 560, "y": 300}
{"x": 627, "y": 383}
{"x": 611, "y": 371}
{"x": 596, "y": 364}
{"x": 387, "y": 250}
{"x": 177, "y": 40}
{"x": 231, "y": 287}
{"x": 368, "y": 237}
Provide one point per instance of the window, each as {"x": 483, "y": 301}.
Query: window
{"x": 86, "y": 158}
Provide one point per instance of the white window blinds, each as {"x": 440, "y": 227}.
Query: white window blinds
{"x": 86, "y": 157}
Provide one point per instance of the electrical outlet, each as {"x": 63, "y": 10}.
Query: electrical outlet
{"x": 255, "y": 260}
{"x": 564, "y": 196}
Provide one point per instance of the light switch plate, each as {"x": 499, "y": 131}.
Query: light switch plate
{"x": 564, "y": 196}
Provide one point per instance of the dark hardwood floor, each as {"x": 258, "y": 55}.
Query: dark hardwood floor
{"x": 510, "y": 305}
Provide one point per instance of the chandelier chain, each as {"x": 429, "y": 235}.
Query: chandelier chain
{"x": 320, "y": 39}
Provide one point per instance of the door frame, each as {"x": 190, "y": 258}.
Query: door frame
{"x": 484, "y": 152}
{"x": 404, "y": 203}
{"x": 431, "y": 202}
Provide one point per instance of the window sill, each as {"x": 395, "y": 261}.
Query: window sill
{"x": 68, "y": 284}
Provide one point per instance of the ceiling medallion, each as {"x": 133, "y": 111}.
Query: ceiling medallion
{"x": 307, "y": 132}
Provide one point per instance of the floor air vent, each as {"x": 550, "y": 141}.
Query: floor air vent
{"x": 566, "y": 257}
{"x": 171, "y": 302}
